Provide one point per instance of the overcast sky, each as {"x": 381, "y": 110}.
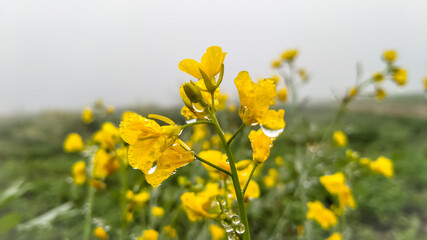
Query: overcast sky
{"x": 66, "y": 54}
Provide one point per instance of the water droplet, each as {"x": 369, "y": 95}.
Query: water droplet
{"x": 191, "y": 120}
{"x": 197, "y": 108}
{"x": 225, "y": 224}
{"x": 232, "y": 236}
{"x": 220, "y": 200}
{"x": 271, "y": 133}
{"x": 135, "y": 168}
{"x": 235, "y": 219}
{"x": 229, "y": 229}
{"x": 240, "y": 228}
{"x": 152, "y": 170}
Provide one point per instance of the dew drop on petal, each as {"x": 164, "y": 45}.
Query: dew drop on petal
{"x": 152, "y": 170}
{"x": 271, "y": 133}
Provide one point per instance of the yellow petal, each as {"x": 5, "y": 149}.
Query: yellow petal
{"x": 135, "y": 126}
{"x": 212, "y": 60}
{"x": 191, "y": 67}
{"x": 273, "y": 120}
{"x": 261, "y": 145}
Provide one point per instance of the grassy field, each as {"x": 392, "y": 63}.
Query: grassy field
{"x": 35, "y": 177}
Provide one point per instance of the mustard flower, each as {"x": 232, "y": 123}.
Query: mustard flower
{"x": 339, "y": 138}
{"x": 170, "y": 231}
{"x": 244, "y": 168}
{"x": 325, "y": 217}
{"x": 217, "y": 232}
{"x": 283, "y": 94}
{"x": 271, "y": 179}
{"x": 379, "y": 94}
{"x": 352, "y": 92}
{"x": 335, "y": 236}
{"x": 378, "y": 77}
{"x": 139, "y": 198}
{"x": 334, "y": 183}
{"x": 289, "y": 55}
{"x": 100, "y": 233}
{"x": 261, "y": 145}
{"x": 217, "y": 158}
{"x": 79, "y": 172}
{"x": 108, "y": 136}
{"x": 365, "y": 161}
{"x": 279, "y": 161}
{"x": 222, "y": 99}
{"x": 210, "y": 63}
{"x": 345, "y": 198}
{"x": 73, "y": 143}
{"x": 153, "y": 149}
{"x": 389, "y": 55}
{"x": 158, "y": 211}
{"x": 149, "y": 235}
{"x": 400, "y": 76}
{"x": 87, "y": 115}
{"x": 275, "y": 78}
{"x": 105, "y": 164}
{"x": 255, "y": 102}
{"x": 383, "y": 166}
{"x": 276, "y": 63}
{"x": 196, "y": 206}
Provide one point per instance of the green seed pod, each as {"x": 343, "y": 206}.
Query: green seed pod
{"x": 193, "y": 93}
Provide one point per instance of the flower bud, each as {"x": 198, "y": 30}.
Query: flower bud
{"x": 193, "y": 92}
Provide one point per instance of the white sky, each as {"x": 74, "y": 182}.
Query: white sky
{"x": 66, "y": 54}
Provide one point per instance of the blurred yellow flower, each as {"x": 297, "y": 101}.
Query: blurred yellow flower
{"x": 383, "y": 166}
{"x": 334, "y": 183}
{"x": 73, "y": 143}
{"x": 158, "y": 211}
{"x": 379, "y": 93}
{"x": 303, "y": 74}
{"x": 400, "y": 76}
{"x": 289, "y": 55}
{"x": 255, "y": 102}
{"x": 105, "y": 164}
{"x": 87, "y": 115}
{"x": 217, "y": 232}
{"x": 170, "y": 231}
{"x": 271, "y": 179}
{"x": 100, "y": 233}
{"x": 279, "y": 161}
{"x": 79, "y": 172}
{"x": 325, "y": 217}
{"x": 335, "y": 236}
{"x": 352, "y": 92}
{"x": 339, "y": 138}
{"x": 378, "y": 77}
{"x": 196, "y": 206}
{"x": 352, "y": 155}
{"x": 345, "y": 198}
{"x": 276, "y": 63}
{"x": 108, "y": 136}
{"x": 365, "y": 161}
{"x": 425, "y": 84}
{"x": 390, "y": 55}
{"x": 210, "y": 63}
{"x": 153, "y": 149}
{"x": 141, "y": 197}
{"x": 261, "y": 145}
{"x": 283, "y": 94}
{"x": 275, "y": 78}
{"x": 149, "y": 235}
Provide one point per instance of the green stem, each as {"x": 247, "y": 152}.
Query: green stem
{"x": 195, "y": 123}
{"x": 89, "y": 201}
{"x": 250, "y": 177}
{"x": 234, "y": 176}
{"x": 212, "y": 165}
{"x": 230, "y": 141}
{"x": 123, "y": 200}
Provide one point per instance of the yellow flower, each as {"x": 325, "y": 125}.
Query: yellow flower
{"x": 340, "y": 139}
{"x": 158, "y": 211}
{"x": 261, "y": 145}
{"x": 346, "y": 198}
{"x": 425, "y": 84}
{"x": 87, "y": 115}
{"x": 98, "y": 184}
{"x": 378, "y": 77}
{"x": 196, "y": 206}
{"x": 283, "y": 94}
{"x": 105, "y": 164}
{"x": 255, "y": 102}
{"x": 141, "y": 197}
{"x": 153, "y": 149}
{"x": 380, "y": 94}
{"x": 334, "y": 183}
{"x": 222, "y": 99}
{"x": 276, "y": 63}
{"x": 390, "y": 55}
{"x": 325, "y": 217}
{"x": 352, "y": 92}
{"x": 170, "y": 231}
{"x": 244, "y": 168}
{"x": 217, "y": 158}
{"x": 383, "y": 166}
{"x": 79, "y": 172}
{"x": 210, "y": 63}
{"x": 149, "y": 235}
{"x": 217, "y": 232}
{"x": 73, "y": 143}
{"x": 279, "y": 161}
{"x": 400, "y": 76}
{"x": 193, "y": 110}
{"x": 275, "y": 78}
{"x": 108, "y": 136}
{"x": 199, "y": 132}
{"x": 289, "y": 55}
{"x": 335, "y": 236}
{"x": 100, "y": 233}
{"x": 365, "y": 161}
{"x": 271, "y": 179}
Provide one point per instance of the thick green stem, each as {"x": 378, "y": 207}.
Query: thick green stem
{"x": 234, "y": 177}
